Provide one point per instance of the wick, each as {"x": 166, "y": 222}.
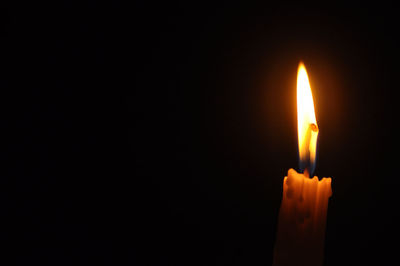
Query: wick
{"x": 314, "y": 127}
{"x": 306, "y": 173}
{"x": 310, "y": 139}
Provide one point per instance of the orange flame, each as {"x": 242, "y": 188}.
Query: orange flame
{"x": 306, "y": 121}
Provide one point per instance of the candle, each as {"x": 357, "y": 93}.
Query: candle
{"x": 302, "y": 216}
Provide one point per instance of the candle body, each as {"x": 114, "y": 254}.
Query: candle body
{"x": 302, "y": 220}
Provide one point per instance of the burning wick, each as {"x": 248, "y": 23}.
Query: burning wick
{"x": 309, "y": 145}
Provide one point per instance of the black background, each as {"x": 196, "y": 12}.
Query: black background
{"x": 204, "y": 96}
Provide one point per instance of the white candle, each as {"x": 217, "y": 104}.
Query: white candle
{"x": 302, "y": 216}
{"x": 302, "y": 220}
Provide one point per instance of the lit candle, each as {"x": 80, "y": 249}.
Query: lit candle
{"x": 302, "y": 216}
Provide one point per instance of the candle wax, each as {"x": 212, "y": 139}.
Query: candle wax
{"x": 302, "y": 219}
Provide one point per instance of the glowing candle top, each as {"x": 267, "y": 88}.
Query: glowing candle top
{"x": 306, "y": 122}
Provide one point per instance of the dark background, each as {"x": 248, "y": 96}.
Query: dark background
{"x": 204, "y": 96}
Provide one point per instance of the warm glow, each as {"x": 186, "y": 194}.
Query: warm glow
{"x": 306, "y": 121}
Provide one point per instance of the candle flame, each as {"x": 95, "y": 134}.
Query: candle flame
{"x": 306, "y": 122}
